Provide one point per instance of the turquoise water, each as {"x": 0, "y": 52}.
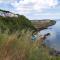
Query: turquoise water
{"x": 53, "y": 40}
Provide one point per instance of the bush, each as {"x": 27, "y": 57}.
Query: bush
{"x": 15, "y": 23}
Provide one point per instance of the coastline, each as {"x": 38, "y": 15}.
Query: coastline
{"x": 42, "y": 24}
{"x": 42, "y": 38}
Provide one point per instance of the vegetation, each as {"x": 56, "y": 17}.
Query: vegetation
{"x": 18, "y": 45}
{"x": 52, "y": 22}
{"x": 15, "y": 23}
{"x": 4, "y": 11}
{"x": 21, "y": 47}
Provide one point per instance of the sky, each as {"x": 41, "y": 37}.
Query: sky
{"x": 33, "y": 9}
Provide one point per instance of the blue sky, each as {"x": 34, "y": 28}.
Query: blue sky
{"x": 33, "y": 9}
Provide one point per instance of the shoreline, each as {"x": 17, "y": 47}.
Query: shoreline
{"x": 42, "y": 38}
{"x": 42, "y": 24}
{"x": 45, "y": 26}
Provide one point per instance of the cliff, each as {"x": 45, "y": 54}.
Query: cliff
{"x": 42, "y": 24}
{"x": 14, "y": 22}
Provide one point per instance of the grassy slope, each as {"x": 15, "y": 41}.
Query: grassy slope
{"x": 23, "y": 48}
{"x": 14, "y": 23}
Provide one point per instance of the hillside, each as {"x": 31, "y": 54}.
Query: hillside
{"x": 43, "y": 24}
{"x": 14, "y": 22}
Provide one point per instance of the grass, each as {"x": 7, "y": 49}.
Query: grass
{"x": 15, "y": 23}
{"x": 19, "y": 46}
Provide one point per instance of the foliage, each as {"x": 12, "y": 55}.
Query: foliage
{"x": 15, "y": 23}
{"x": 4, "y": 11}
{"x": 19, "y": 46}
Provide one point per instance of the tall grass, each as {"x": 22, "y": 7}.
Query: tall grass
{"x": 19, "y": 46}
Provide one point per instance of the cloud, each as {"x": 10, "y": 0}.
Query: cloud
{"x": 44, "y": 16}
{"x": 32, "y": 7}
{"x": 6, "y": 1}
{"x": 27, "y": 6}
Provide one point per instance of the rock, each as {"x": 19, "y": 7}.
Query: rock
{"x": 54, "y": 52}
{"x": 47, "y": 34}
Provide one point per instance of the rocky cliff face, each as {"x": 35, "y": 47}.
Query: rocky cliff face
{"x": 7, "y": 14}
{"x": 42, "y": 24}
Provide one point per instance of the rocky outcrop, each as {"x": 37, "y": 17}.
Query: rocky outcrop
{"x": 42, "y": 24}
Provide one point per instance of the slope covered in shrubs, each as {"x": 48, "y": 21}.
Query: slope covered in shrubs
{"x": 15, "y": 23}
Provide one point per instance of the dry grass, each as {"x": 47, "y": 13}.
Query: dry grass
{"x": 14, "y": 48}
{"x": 21, "y": 47}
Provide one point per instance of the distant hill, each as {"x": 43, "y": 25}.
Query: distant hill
{"x": 13, "y": 22}
{"x": 43, "y": 24}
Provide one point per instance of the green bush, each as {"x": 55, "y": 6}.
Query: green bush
{"x": 15, "y": 23}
